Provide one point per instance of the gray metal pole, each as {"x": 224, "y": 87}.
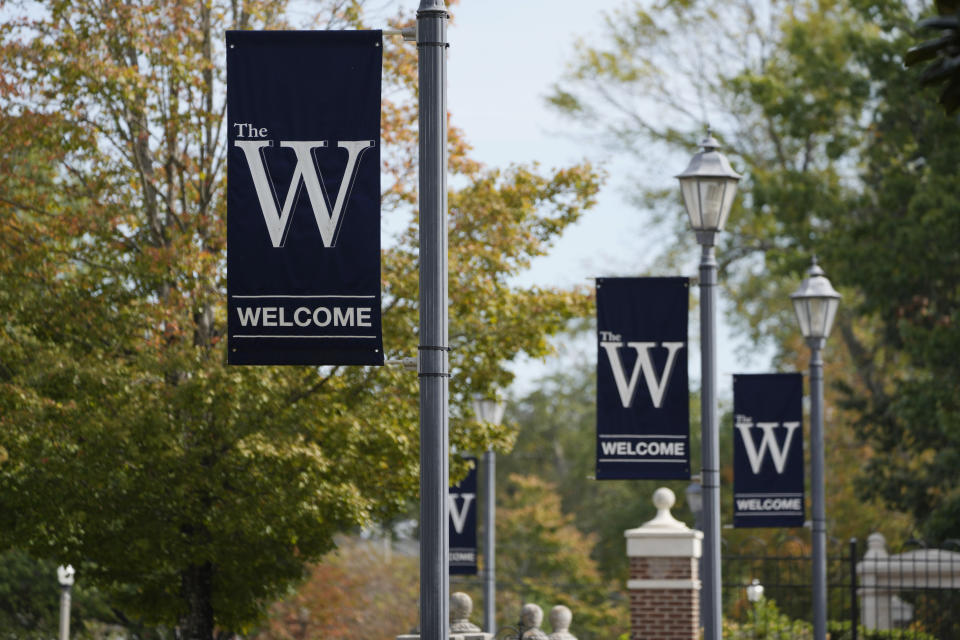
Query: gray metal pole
{"x": 434, "y": 365}
{"x": 489, "y": 543}
{"x": 65, "y": 613}
{"x": 816, "y": 480}
{"x": 710, "y": 592}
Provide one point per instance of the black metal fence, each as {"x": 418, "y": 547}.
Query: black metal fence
{"x": 909, "y": 596}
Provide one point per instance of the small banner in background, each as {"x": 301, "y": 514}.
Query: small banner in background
{"x": 303, "y": 197}
{"x": 462, "y": 505}
{"x": 643, "y": 411}
{"x": 768, "y": 450}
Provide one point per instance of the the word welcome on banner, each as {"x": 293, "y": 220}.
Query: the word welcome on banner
{"x": 462, "y": 505}
{"x": 643, "y": 413}
{"x": 768, "y": 450}
{"x": 303, "y": 197}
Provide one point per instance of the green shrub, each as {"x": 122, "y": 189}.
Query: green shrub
{"x": 841, "y": 631}
{"x": 766, "y": 622}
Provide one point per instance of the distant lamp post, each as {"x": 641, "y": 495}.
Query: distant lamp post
{"x": 755, "y": 591}
{"x": 489, "y": 410}
{"x": 816, "y": 303}
{"x": 65, "y": 578}
{"x": 708, "y": 186}
{"x": 694, "y": 494}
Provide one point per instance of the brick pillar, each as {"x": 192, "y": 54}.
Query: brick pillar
{"x": 664, "y": 582}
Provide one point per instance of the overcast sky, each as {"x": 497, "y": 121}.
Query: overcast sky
{"x": 504, "y": 57}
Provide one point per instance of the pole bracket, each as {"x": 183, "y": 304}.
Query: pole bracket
{"x": 409, "y": 33}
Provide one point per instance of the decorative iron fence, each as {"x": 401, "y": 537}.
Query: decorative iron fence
{"x": 913, "y": 595}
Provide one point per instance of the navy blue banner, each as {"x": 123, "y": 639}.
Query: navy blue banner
{"x": 643, "y": 411}
{"x": 768, "y": 450}
{"x": 462, "y": 505}
{"x": 303, "y": 197}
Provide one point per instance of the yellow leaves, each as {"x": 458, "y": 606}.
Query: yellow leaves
{"x": 118, "y": 233}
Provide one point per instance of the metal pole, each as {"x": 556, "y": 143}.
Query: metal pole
{"x": 434, "y": 366}
{"x": 854, "y": 617}
{"x": 698, "y": 525}
{"x": 816, "y": 480}
{"x": 489, "y": 543}
{"x": 65, "y": 612}
{"x": 710, "y": 477}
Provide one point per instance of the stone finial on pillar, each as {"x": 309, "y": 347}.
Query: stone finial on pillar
{"x": 460, "y": 607}
{"x": 560, "y": 618}
{"x": 664, "y": 583}
{"x": 531, "y": 617}
{"x": 460, "y": 626}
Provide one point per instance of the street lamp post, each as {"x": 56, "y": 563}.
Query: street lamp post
{"x": 755, "y": 595}
{"x": 491, "y": 411}
{"x": 433, "y": 360}
{"x": 754, "y": 591}
{"x": 815, "y": 303}
{"x": 695, "y": 501}
{"x": 65, "y": 578}
{"x": 708, "y": 186}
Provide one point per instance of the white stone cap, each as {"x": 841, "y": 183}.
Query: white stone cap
{"x": 926, "y": 568}
{"x": 876, "y": 546}
{"x": 664, "y": 535}
{"x": 668, "y": 585}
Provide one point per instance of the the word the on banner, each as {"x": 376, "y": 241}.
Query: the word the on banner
{"x": 462, "y": 505}
{"x": 643, "y": 413}
{"x": 768, "y": 450}
{"x": 303, "y": 197}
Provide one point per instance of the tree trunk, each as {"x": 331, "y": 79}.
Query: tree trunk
{"x": 196, "y": 587}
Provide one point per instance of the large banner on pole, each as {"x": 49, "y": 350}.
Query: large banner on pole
{"x": 643, "y": 412}
{"x": 768, "y": 450}
{"x": 303, "y": 197}
{"x": 462, "y": 506}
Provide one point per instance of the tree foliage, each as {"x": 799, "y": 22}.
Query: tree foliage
{"x": 544, "y": 559}
{"x": 942, "y": 54}
{"x": 361, "y": 590}
{"x": 192, "y": 492}
{"x": 845, "y": 156}
{"x": 556, "y": 442}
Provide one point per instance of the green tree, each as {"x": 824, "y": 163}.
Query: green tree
{"x": 943, "y": 53}
{"x": 544, "y": 559}
{"x": 361, "y": 590}
{"x": 30, "y": 603}
{"x": 190, "y": 492}
{"x": 556, "y": 442}
{"x": 845, "y": 156}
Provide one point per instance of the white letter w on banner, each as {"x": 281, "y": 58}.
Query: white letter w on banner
{"x": 767, "y": 443}
{"x": 657, "y": 387}
{"x": 459, "y": 515}
{"x": 306, "y": 173}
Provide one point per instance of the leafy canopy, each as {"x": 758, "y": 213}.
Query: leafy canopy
{"x": 193, "y": 493}
{"x": 845, "y": 156}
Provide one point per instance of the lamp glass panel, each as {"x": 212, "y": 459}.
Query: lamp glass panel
{"x": 712, "y": 198}
{"x": 691, "y": 200}
{"x": 822, "y": 313}
{"x": 803, "y": 315}
{"x": 489, "y": 410}
{"x": 729, "y": 193}
{"x": 819, "y": 315}
{"x": 832, "y": 305}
